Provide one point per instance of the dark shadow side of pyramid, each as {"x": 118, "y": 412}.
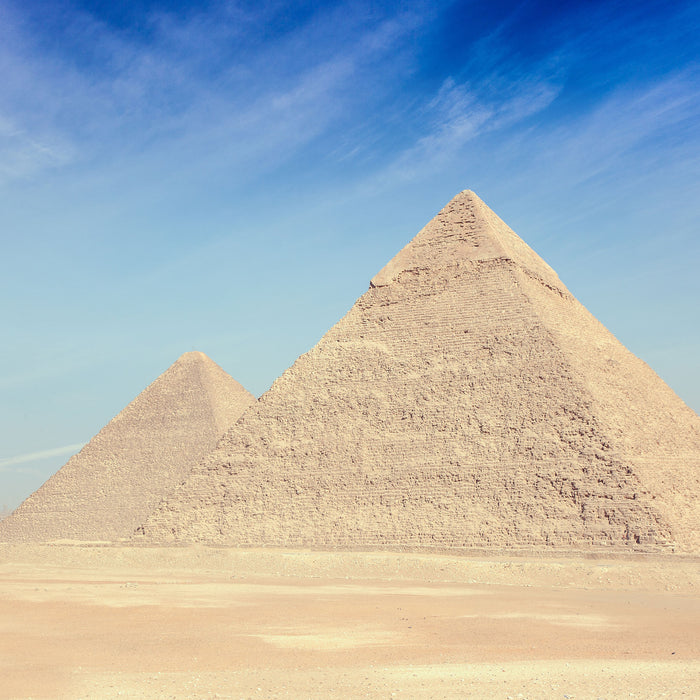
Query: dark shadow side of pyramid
{"x": 121, "y": 475}
{"x": 467, "y": 400}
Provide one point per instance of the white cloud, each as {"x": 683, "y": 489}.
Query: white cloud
{"x": 457, "y": 115}
{"x": 633, "y": 139}
{"x": 22, "y": 154}
{"x": 36, "y": 456}
{"x": 199, "y": 93}
{"x": 595, "y": 142}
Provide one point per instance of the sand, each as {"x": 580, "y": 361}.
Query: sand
{"x": 85, "y": 621}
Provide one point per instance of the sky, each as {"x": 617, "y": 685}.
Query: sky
{"x": 228, "y": 176}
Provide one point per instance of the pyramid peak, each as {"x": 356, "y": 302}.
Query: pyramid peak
{"x": 465, "y": 231}
{"x": 467, "y": 194}
{"x": 193, "y": 355}
{"x": 195, "y": 358}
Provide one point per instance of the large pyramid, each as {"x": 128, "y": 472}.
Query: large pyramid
{"x": 120, "y": 476}
{"x": 467, "y": 400}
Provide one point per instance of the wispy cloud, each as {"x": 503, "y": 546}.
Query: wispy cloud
{"x": 632, "y": 139}
{"x": 666, "y": 111}
{"x": 457, "y": 115}
{"x": 8, "y": 462}
{"x": 204, "y": 88}
{"x": 22, "y": 154}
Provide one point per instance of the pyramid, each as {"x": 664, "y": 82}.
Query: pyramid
{"x": 120, "y": 476}
{"x": 467, "y": 400}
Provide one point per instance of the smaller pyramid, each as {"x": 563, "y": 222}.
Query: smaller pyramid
{"x": 110, "y": 487}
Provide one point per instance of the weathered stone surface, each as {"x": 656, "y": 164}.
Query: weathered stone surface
{"x": 120, "y": 476}
{"x": 466, "y": 400}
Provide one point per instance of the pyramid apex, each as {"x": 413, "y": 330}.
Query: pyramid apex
{"x": 465, "y": 231}
{"x": 193, "y": 355}
{"x": 467, "y": 196}
{"x": 193, "y": 358}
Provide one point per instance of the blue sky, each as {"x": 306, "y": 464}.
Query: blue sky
{"x": 228, "y": 176}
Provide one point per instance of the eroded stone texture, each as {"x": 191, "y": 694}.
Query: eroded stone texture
{"x": 120, "y": 476}
{"x": 466, "y": 400}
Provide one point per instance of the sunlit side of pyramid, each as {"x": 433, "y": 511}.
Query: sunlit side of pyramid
{"x": 111, "y": 485}
{"x": 466, "y": 400}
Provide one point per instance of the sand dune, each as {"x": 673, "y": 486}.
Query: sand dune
{"x": 102, "y": 622}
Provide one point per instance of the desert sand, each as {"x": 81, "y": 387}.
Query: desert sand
{"x": 104, "y": 621}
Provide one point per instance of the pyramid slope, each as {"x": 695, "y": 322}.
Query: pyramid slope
{"x": 120, "y": 476}
{"x": 466, "y": 400}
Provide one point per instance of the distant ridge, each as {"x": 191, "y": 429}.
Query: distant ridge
{"x": 467, "y": 400}
{"x": 111, "y": 485}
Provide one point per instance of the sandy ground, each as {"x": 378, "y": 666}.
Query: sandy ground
{"x": 80, "y": 621}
